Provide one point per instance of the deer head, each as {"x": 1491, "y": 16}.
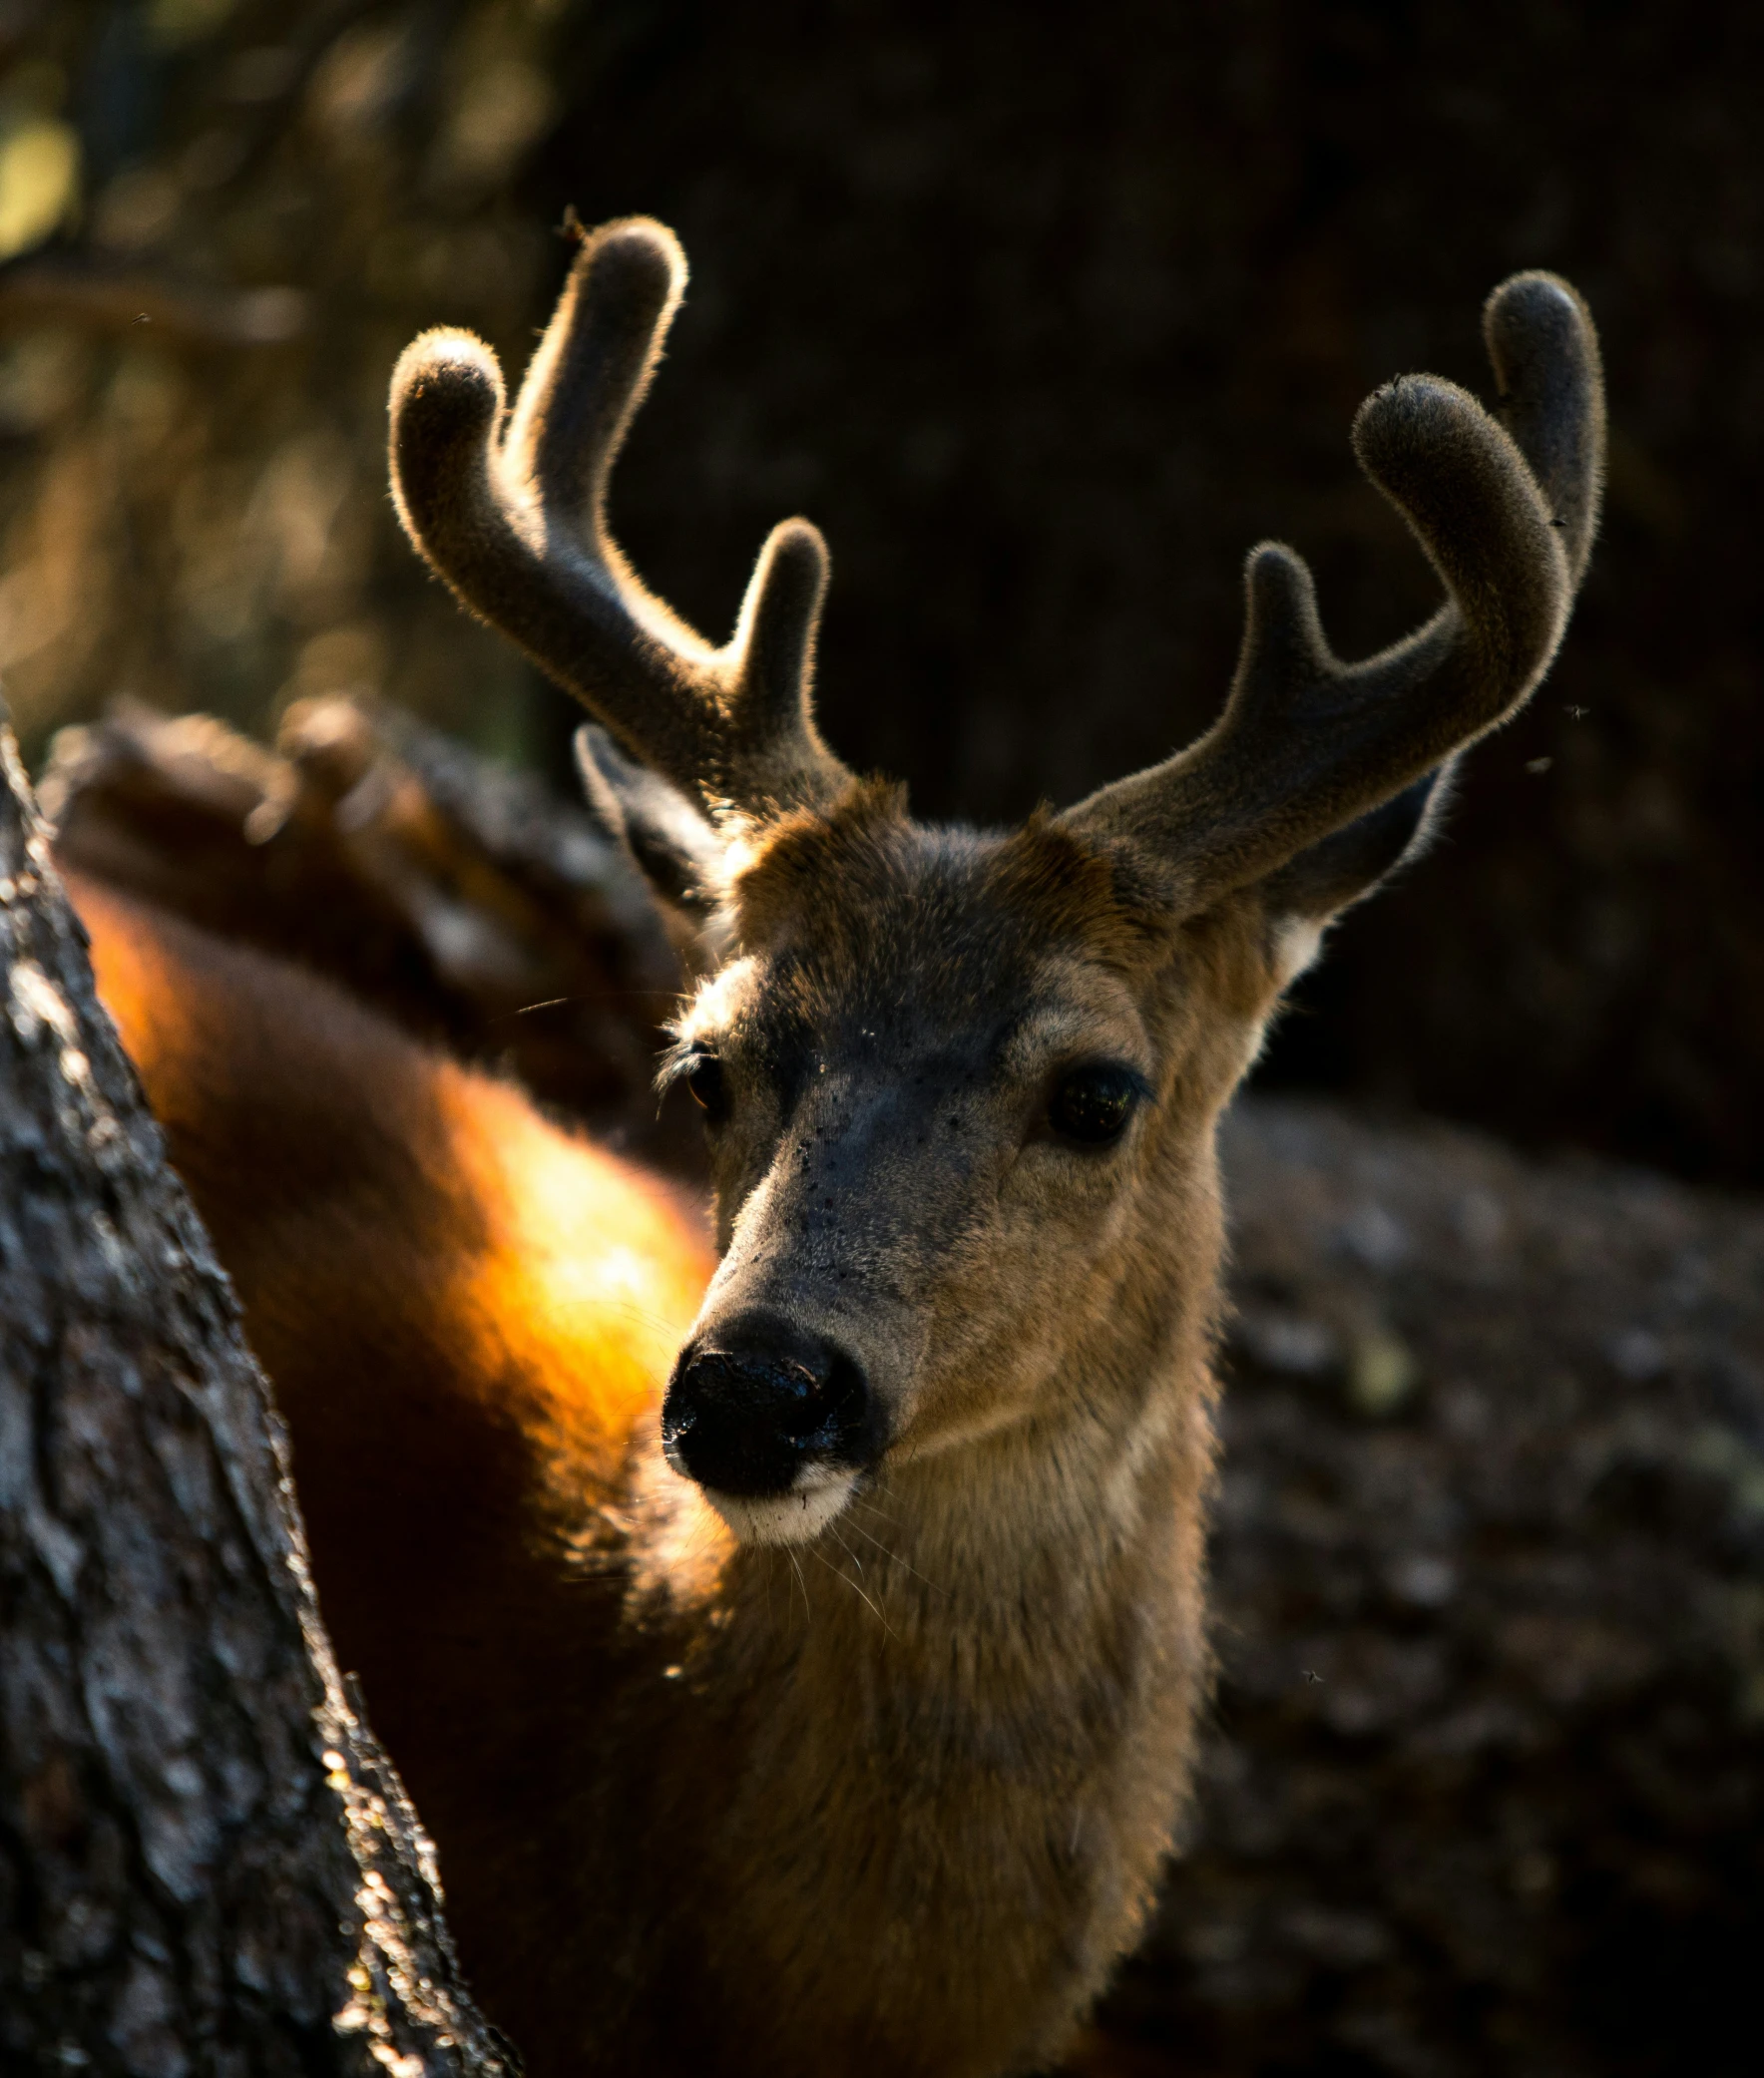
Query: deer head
{"x": 960, "y": 1087}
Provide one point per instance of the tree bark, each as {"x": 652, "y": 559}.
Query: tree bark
{"x": 207, "y": 1864}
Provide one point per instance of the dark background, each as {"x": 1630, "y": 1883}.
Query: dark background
{"x": 1046, "y": 315}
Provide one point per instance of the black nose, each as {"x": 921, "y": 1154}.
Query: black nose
{"x": 754, "y": 1399}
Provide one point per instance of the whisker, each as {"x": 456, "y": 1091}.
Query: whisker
{"x": 906, "y": 1565}
{"x": 855, "y": 1588}
{"x": 628, "y": 1309}
{"x": 857, "y": 1501}
{"x": 553, "y": 1003}
{"x": 877, "y": 1541}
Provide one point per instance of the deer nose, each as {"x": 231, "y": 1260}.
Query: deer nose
{"x": 756, "y": 1400}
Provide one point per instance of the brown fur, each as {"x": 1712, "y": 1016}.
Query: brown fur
{"x": 872, "y": 1772}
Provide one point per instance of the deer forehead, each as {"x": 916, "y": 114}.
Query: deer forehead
{"x": 892, "y": 940}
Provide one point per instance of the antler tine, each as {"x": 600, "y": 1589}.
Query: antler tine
{"x": 1544, "y": 352}
{"x": 1306, "y": 744}
{"x": 509, "y": 507}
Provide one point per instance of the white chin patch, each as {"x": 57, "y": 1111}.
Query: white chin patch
{"x": 818, "y": 1495}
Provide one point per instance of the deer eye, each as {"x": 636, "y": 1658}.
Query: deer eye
{"x": 710, "y": 1087}
{"x": 1092, "y": 1105}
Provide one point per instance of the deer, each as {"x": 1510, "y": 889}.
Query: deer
{"x": 790, "y": 1616}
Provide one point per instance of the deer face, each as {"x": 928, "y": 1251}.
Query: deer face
{"x": 953, "y": 1086}
{"x": 960, "y": 1089}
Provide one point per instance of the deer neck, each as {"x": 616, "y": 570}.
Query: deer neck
{"x": 988, "y": 1667}
{"x": 1039, "y": 1542}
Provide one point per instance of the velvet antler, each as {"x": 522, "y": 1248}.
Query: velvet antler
{"x": 1506, "y": 516}
{"x": 510, "y": 506}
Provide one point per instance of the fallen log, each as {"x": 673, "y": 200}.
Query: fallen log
{"x": 1484, "y": 1790}
{"x": 461, "y": 898}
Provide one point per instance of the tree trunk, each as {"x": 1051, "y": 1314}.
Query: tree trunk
{"x": 206, "y": 1861}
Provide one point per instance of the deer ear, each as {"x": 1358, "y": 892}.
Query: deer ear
{"x": 674, "y": 846}
{"x": 1352, "y": 863}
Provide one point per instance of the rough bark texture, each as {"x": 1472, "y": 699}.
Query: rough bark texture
{"x": 205, "y": 1863}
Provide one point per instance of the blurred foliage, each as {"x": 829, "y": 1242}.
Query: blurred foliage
{"x": 263, "y": 204}
{"x": 1046, "y": 318}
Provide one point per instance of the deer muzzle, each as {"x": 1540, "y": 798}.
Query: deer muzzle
{"x": 774, "y": 1423}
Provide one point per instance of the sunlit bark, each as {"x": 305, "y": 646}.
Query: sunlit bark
{"x": 206, "y": 1861}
